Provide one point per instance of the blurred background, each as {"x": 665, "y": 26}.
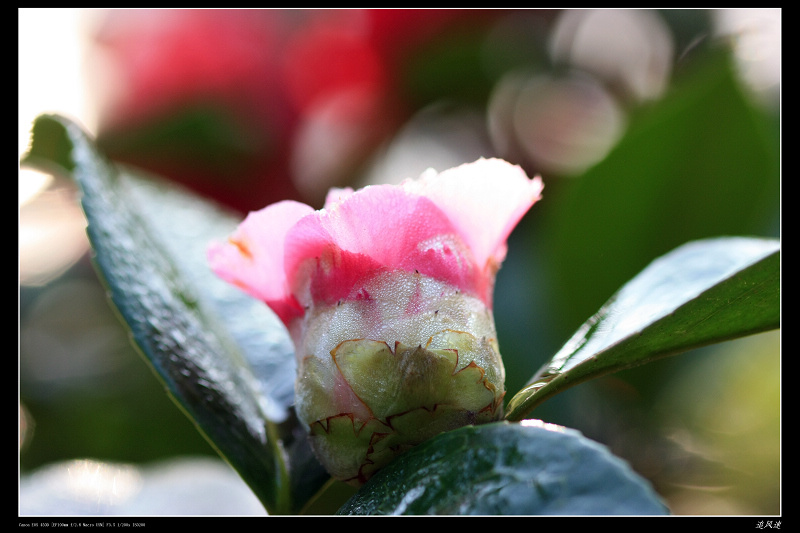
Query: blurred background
{"x": 650, "y": 128}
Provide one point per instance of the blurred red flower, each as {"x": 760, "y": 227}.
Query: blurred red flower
{"x": 253, "y": 106}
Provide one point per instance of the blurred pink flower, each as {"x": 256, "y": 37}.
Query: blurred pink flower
{"x": 387, "y": 293}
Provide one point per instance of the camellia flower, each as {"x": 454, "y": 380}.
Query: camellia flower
{"x": 387, "y": 294}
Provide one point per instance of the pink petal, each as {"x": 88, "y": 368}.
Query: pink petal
{"x": 336, "y": 195}
{"x": 377, "y": 228}
{"x": 451, "y": 226}
{"x": 253, "y": 256}
{"x": 484, "y": 201}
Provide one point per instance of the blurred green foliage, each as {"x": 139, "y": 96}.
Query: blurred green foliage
{"x": 98, "y": 399}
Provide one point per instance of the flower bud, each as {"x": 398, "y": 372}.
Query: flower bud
{"x": 387, "y": 294}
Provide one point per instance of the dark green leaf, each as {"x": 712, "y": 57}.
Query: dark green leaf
{"x": 704, "y": 292}
{"x": 507, "y": 469}
{"x": 222, "y": 356}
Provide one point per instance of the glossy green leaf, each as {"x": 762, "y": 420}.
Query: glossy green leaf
{"x": 507, "y": 469}
{"x": 703, "y": 292}
{"x": 223, "y": 357}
